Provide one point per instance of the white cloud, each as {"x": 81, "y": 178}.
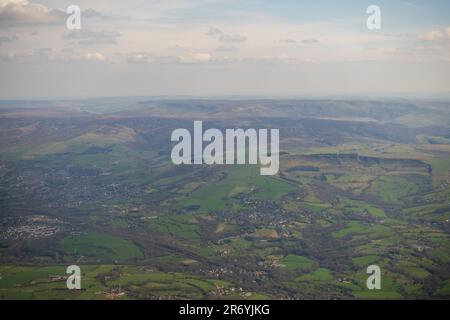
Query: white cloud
{"x": 436, "y": 35}
{"x": 140, "y": 57}
{"x": 198, "y": 57}
{"x": 48, "y": 55}
{"x": 23, "y": 12}
{"x": 93, "y": 56}
{"x": 71, "y": 56}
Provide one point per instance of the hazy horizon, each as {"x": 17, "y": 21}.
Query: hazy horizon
{"x": 362, "y": 97}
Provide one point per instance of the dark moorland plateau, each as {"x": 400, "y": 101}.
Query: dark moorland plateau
{"x": 91, "y": 183}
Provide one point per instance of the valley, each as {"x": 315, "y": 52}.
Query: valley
{"x": 360, "y": 182}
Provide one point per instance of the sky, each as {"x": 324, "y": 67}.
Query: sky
{"x": 277, "y": 48}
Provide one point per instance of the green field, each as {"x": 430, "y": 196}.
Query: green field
{"x": 321, "y": 274}
{"x": 294, "y": 262}
{"x": 183, "y": 226}
{"x": 101, "y": 282}
{"x": 392, "y": 188}
{"x": 102, "y": 247}
{"x": 239, "y": 179}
